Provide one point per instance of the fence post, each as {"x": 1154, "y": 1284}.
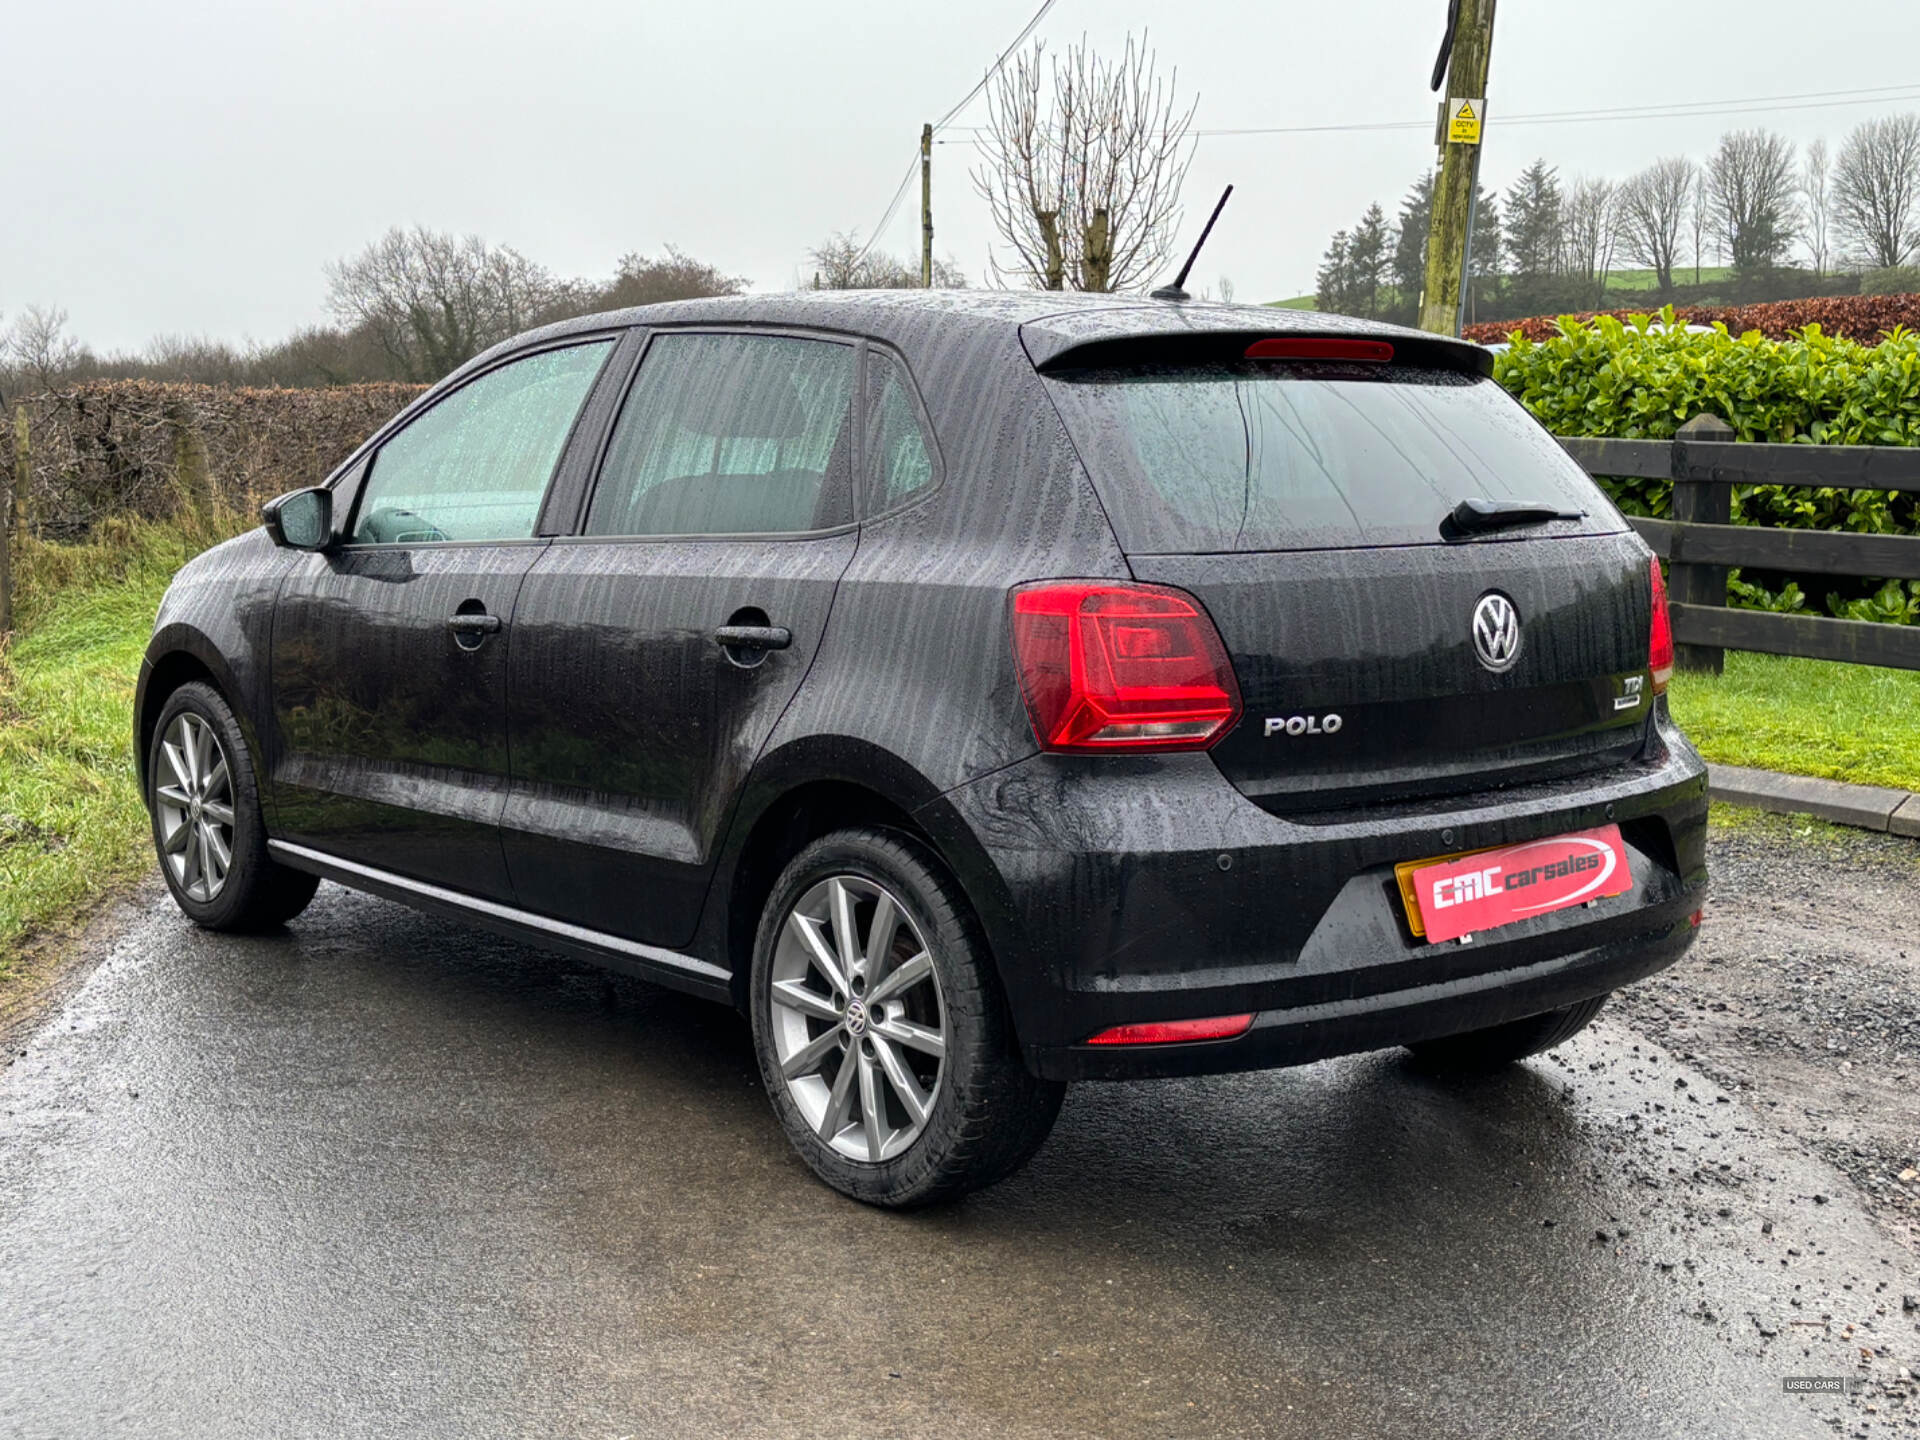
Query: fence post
{"x": 13, "y": 516}
{"x": 6, "y": 562}
{"x": 22, "y": 470}
{"x": 1701, "y": 499}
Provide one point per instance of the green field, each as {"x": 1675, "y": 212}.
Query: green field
{"x": 1624, "y": 287}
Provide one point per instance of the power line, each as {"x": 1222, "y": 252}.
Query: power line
{"x": 994, "y": 70}
{"x": 1674, "y": 110}
{"x": 893, "y": 205}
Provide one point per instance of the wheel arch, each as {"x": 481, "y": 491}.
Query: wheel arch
{"x": 812, "y": 788}
{"x": 179, "y": 655}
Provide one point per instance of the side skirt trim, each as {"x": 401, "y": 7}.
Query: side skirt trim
{"x": 630, "y": 957}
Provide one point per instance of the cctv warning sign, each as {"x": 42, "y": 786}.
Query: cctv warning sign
{"x": 1463, "y": 120}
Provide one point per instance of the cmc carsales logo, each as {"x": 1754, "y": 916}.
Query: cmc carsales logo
{"x": 1497, "y": 887}
{"x": 1479, "y": 884}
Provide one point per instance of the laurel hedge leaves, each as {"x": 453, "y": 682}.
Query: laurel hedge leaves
{"x": 1645, "y": 378}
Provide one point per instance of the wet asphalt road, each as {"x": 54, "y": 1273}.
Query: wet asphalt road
{"x": 382, "y": 1176}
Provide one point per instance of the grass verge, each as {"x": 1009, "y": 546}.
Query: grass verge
{"x": 1806, "y": 717}
{"x": 71, "y": 824}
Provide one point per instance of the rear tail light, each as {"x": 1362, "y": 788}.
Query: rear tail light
{"x": 1660, "y": 643}
{"x": 1108, "y": 666}
{"x": 1173, "y": 1032}
{"x": 1317, "y": 347}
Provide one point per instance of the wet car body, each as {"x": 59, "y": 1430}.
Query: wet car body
{"x": 602, "y": 778}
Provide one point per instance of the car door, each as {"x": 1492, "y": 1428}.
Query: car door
{"x": 390, "y": 649}
{"x": 654, "y": 651}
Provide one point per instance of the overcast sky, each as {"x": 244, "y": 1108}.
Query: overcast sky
{"x": 190, "y": 167}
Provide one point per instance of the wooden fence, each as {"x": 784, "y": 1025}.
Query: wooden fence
{"x": 1700, "y": 543}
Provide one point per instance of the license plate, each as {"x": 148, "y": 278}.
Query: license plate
{"x": 1458, "y": 895}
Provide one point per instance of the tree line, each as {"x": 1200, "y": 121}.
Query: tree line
{"x": 1783, "y": 223}
{"x": 414, "y": 305}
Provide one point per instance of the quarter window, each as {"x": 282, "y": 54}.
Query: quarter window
{"x": 730, "y": 435}
{"x": 899, "y": 464}
{"x": 476, "y": 465}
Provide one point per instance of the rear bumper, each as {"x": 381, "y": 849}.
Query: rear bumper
{"x": 1123, "y": 891}
{"x": 1298, "y": 1034}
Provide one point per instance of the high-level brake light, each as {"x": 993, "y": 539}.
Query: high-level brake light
{"x": 1113, "y": 666}
{"x": 1320, "y": 347}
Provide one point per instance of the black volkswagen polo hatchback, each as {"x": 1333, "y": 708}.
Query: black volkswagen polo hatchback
{"x": 981, "y": 691}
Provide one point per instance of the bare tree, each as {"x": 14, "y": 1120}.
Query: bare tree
{"x": 652, "y": 280}
{"x": 1085, "y": 190}
{"x": 40, "y": 352}
{"x": 199, "y": 359}
{"x": 1875, "y": 185}
{"x": 1591, "y": 213}
{"x": 435, "y": 300}
{"x": 1750, "y": 186}
{"x": 1226, "y": 290}
{"x": 1699, "y": 216}
{"x": 1816, "y": 189}
{"x": 1653, "y": 212}
{"x": 840, "y": 262}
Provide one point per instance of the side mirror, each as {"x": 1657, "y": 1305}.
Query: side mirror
{"x": 300, "y": 519}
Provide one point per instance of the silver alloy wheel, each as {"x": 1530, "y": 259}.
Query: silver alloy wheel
{"x": 195, "y": 804}
{"x": 859, "y": 1022}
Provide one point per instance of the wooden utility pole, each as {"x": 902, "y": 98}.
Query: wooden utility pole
{"x": 926, "y": 207}
{"x": 1449, "y": 234}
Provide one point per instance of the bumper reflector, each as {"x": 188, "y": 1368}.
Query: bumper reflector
{"x": 1172, "y": 1032}
{"x": 1695, "y": 918}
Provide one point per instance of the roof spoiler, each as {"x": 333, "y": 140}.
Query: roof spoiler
{"x": 1217, "y": 347}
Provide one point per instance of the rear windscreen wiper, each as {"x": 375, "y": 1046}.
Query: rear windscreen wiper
{"x": 1473, "y": 516}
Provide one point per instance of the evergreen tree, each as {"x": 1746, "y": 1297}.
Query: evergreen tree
{"x": 1367, "y": 263}
{"x": 1484, "y": 264}
{"x": 1410, "y": 251}
{"x": 1533, "y": 222}
{"x": 1333, "y": 282}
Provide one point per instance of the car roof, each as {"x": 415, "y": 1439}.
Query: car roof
{"x": 1049, "y": 322}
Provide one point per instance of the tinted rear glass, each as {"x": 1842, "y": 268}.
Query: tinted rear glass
{"x": 1234, "y": 457}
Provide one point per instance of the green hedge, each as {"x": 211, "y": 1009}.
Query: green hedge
{"x": 1632, "y": 381}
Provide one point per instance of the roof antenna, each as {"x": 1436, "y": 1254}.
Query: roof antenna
{"x": 1174, "y": 291}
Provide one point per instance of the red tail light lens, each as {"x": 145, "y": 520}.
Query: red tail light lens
{"x": 1660, "y": 643}
{"x": 1313, "y": 347}
{"x": 1107, "y": 666}
{"x": 1173, "y": 1032}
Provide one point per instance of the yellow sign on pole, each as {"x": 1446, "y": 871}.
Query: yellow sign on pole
{"x": 1463, "y": 120}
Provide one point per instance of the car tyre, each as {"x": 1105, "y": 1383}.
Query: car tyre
{"x": 1480, "y": 1052}
{"x": 837, "y": 1031}
{"x": 204, "y": 801}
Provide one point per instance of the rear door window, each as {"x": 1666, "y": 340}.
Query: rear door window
{"x": 476, "y": 465}
{"x": 899, "y": 459}
{"x": 1203, "y": 459}
{"x": 731, "y": 435}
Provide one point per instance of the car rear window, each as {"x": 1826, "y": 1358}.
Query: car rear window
{"x": 1200, "y": 459}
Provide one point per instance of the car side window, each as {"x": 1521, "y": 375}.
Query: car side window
{"x": 476, "y": 465}
{"x": 730, "y": 435}
{"x": 899, "y": 461}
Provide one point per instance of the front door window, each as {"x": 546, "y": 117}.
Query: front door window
{"x": 476, "y": 465}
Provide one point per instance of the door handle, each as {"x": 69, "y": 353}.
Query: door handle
{"x": 474, "y": 624}
{"x": 754, "y": 637}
